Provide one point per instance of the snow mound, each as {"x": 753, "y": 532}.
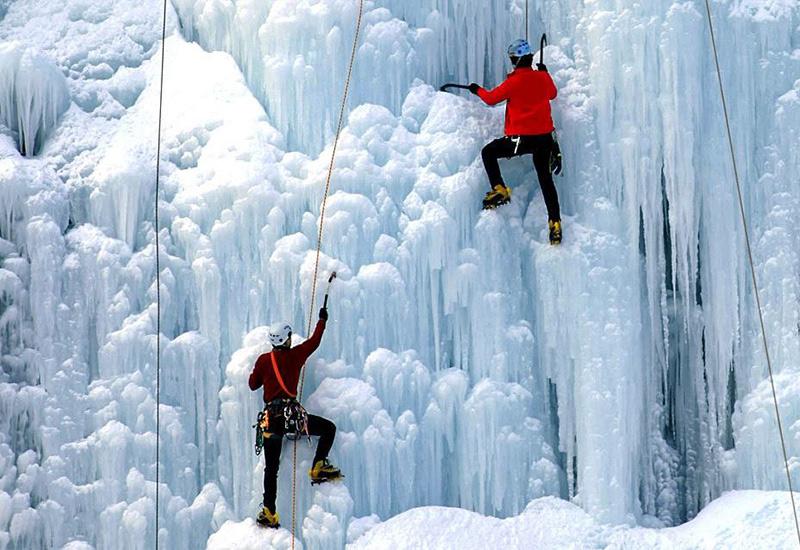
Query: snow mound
{"x": 755, "y": 519}
{"x": 248, "y": 535}
{"x": 323, "y": 527}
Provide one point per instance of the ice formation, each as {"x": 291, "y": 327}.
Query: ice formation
{"x": 467, "y": 363}
{"x": 33, "y": 95}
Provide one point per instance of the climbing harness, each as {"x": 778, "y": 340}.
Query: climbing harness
{"x": 287, "y": 409}
{"x": 752, "y": 267}
{"x": 319, "y": 241}
{"x": 281, "y": 417}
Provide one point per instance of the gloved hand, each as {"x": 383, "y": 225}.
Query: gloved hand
{"x": 323, "y": 314}
{"x": 555, "y": 156}
{"x": 555, "y": 163}
{"x": 541, "y": 67}
{"x": 474, "y": 88}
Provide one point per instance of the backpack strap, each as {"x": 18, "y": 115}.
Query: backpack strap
{"x": 279, "y": 377}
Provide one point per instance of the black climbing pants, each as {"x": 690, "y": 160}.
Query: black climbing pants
{"x": 317, "y": 426}
{"x": 540, "y": 146}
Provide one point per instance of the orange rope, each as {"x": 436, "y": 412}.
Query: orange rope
{"x": 319, "y": 243}
{"x": 526, "y": 20}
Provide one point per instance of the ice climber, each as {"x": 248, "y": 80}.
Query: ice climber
{"x": 528, "y": 131}
{"x": 278, "y": 371}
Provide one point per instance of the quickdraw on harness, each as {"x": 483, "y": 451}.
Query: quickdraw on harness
{"x": 261, "y": 426}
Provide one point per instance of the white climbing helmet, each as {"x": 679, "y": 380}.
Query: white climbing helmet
{"x": 279, "y": 333}
{"x": 519, "y": 48}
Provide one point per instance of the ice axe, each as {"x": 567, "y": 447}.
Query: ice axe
{"x": 444, "y": 87}
{"x": 328, "y": 290}
{"x": 542, "y": 44}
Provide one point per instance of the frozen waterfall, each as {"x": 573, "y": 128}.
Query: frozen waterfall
{"x": 467, "y": 362}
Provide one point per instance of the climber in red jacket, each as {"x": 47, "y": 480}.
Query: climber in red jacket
{"x": 528, "y": 128}
{"x": 279, "y": 372}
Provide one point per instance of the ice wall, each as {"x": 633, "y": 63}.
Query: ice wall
{"x": 289, "y": 49}
{"x": 467, "y": 362}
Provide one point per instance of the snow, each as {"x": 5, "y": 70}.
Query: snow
{"x": 248, "y": 535}
{"x": 758, "y": 519}
{"x": 467, "y": 363}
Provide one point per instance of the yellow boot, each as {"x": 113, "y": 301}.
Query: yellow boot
{"x": 324, "y": 471}
{"x": 268, "y": 519}
{"x": 499, "y": 195}
{"x": 555, "y": 231}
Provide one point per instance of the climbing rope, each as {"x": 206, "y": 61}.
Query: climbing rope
{"x": 158, "y": 269}
{"x": 319, "y": 241}
{"x": 526, "y": 20}
{"x": 752, "y": 268}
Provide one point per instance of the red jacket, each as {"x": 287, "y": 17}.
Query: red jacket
{"x": 528, "y": 93}
{"x": 289, "y": 362}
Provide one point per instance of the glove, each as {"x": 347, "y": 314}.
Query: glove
{"x": 555, "y": 163}
{"x": 555, "y": 157}
{"x": 541, "y": 67}
{"x": 323, "y": 314}
{"x": 474, "y": 88}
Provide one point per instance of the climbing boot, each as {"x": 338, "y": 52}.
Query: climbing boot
{"x": 324, "y": 471}
{"x": 268, "y": 519}
{"x": 555, "y": 231}
{"x": 498, "y": 196}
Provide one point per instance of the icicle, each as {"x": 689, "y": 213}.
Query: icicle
{"x": 33, "y": 95}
